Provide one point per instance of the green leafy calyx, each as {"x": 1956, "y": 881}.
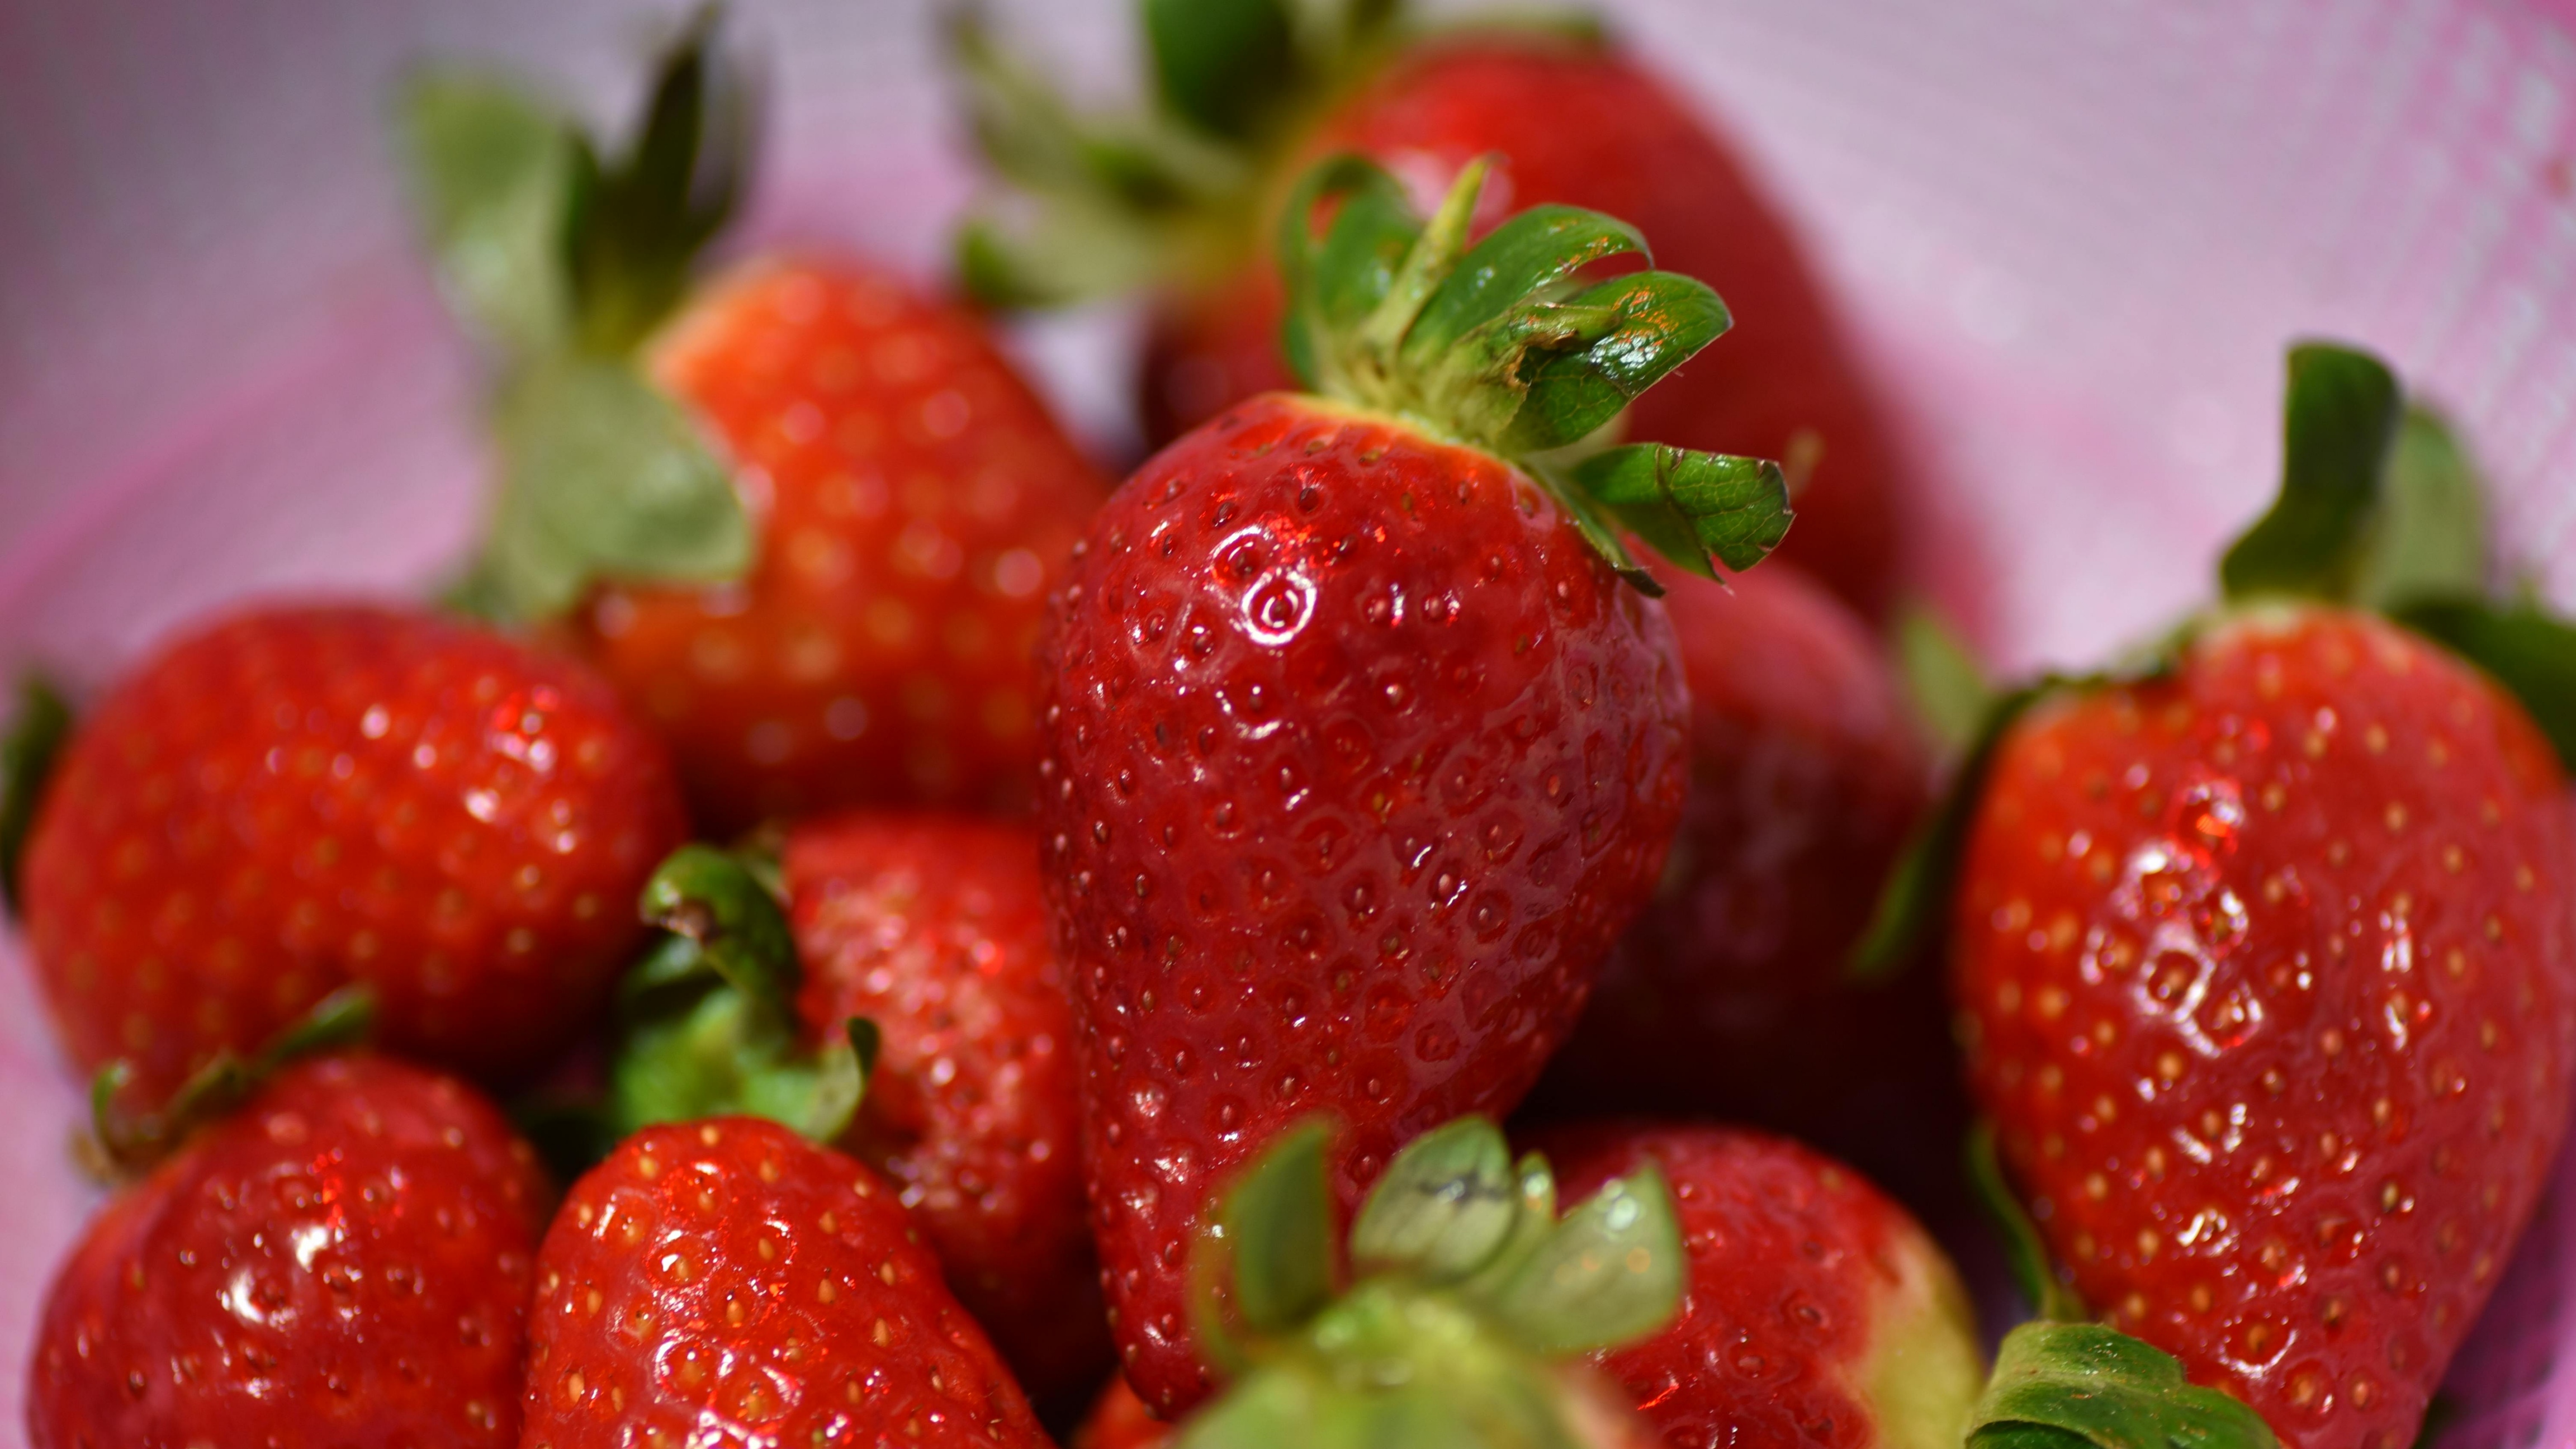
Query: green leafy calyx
{"x": 1171, "y": 193}
{"x": 37, "y": 734}
{"x": 1099, "y": 205}
{"x": 129, "y": 1141}
{"x": 707, "y": 1018}
{"x": 563, "y": 257}
{"x": 2340, "y": 419}
{"x": 2380, "y": 508}
{"x": 1508, "y": 345}
{"x": 2081, "y": 1386}
{"x": 1463, "y": 1290}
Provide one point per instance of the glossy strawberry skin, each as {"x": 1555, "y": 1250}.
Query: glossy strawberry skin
{"x": 347, "y": 1261}
{"x": 913, "y": 502}
{"x": 2265, "y": 973}
{"x": 1730, "y": 996}
{"x": 1588, "y": 127}
{"x": 1803, "y": 1278}
{"x": 935, "y": 928}
{"x": 297, "y": 798}
{"x": 1358, "y": 761}
{"x": 726, "y": 1282}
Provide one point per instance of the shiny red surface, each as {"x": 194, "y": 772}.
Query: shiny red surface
{"x": 2266, "y": 971}
{"x": 1358, "y": 759}
{"x": 913, "y": 502}
{"x": 935, "y": 928}
{"x": 1592, "y": 128}
{"x": 728, "y": 1283}
{"x": 345, "y": 1261}
{"x": 1730, "y": 996}
{"x": 1790, "y": 1256}
{"x": 297, "y": 798}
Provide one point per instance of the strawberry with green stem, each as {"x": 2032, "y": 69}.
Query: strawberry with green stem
{"x": 1359, "y": 753}
{"x": 2260, "y": 949}
{"x": 1179, "y": 201}
{"x": 1459, "y": 1314}
{"x": 901, "y": 1000}
{"x": 802, "y": 514}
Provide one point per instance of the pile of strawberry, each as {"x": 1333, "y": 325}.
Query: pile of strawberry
{"x": 958, "y": 941}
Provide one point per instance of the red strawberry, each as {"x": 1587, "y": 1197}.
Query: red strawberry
{"x": 805, "y": 516}
{"x": 2264, "y": 964}
{"x": 303, "y": 797}
{"x": 913, "y": 501}
{"x": 1817, "y": 1312}
{"x": 1730, "y": 997}
{"x": 728, "y": 1282}
{"x": 935, "y": 930}
{"x": 2268, "y": 969}
{"x": 1359, "y": 758}
{"x": 1573, "y": 121}
{"x": 345, "y": 1261}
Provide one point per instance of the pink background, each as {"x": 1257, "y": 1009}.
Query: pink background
{"x": 2073, "y": 237}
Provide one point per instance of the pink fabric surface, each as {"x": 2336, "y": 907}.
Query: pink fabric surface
{"x": 2072, "y": 239}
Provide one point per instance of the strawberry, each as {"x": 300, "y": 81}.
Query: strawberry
{"x": 935, "y": 930}
{"x": 918, "y": 500}
{"x": 1460, "y": 1314}
{"x": 302, "y": 797}
{"x": 347, "y": 1260}
{"x": 804, "y": 515}
{"x": 1358, "y": 756}
{"x": 1572, "y": 118}
{"x": 2262, "y": 957}
{"x": 729, "y": 1282}
{"x": 925, "y": 1030}
{"x": 1817, "y": 1311}
{"x": 1729, "y": 996}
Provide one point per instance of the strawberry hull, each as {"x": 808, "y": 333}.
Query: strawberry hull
{"x": 2266, "y": 974}
{"x": 1587, "y": 127}
{"x": 1359, "y": 758}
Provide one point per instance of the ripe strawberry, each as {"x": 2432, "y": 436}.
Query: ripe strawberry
{"x": 2264, "y": 965}
{"x": 1817, "y": 1310}
{"x": 345, "y": 1261}
{"x": 727, "y": 1281}
{"x": 298, "y": 798}
{"x": 1358, "y": 757}
{"x": 935, "y": 930}
{"x": 2269, "y": 980}
{"x": 804, "y": 516}
{"x": 914, "y": 501}
{"x": 1573, "y": 120}
{"x": 1729, "y": 996}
